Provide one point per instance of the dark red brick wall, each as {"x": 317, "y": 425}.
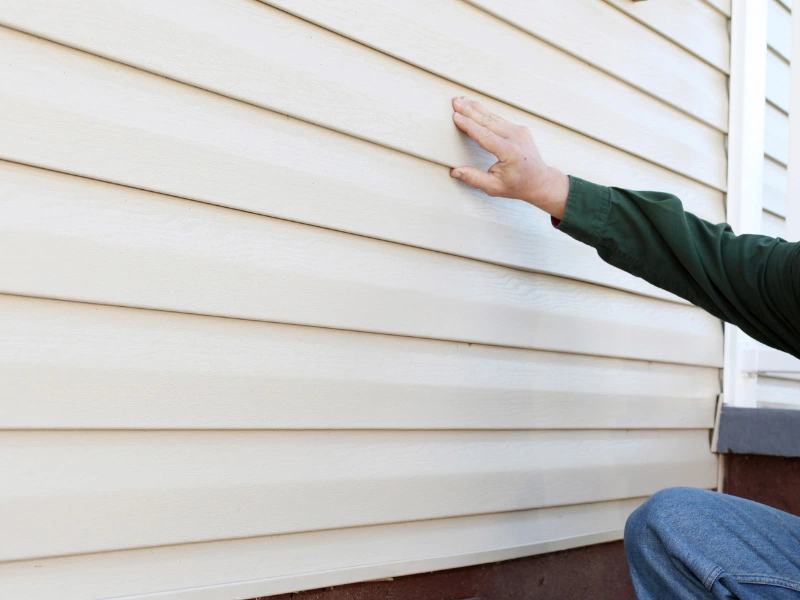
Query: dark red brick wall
{"x": 771, "y": 480}
{"x": 597, "y": 572}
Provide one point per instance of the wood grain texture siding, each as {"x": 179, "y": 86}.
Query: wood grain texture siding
{"x": 112, "y": 245}
{"x": 119, "y": 368}
{"x": 445, "y": 41}
{"x": 203, "y": 486}
{"x": 615, "y": 43}
{"x": 692, "y": 24}
{"x": 779, "y": 29}
{"x": 775, "y": 187}
{"x": 266, "y": 57}
{"x": 257, "y": 566}
{"x": 254, "y": 338}
{"x": 114, "y": 123}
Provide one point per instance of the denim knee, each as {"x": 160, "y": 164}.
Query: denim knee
{"x": 660, "y": 507}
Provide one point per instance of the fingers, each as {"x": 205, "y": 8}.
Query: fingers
{"x": 483, "y": 116}
{"x": 487, "y": 139}
{"x": 479, "y": 179}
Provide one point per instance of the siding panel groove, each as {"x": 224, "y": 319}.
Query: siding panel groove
{"x": 692, "y": 85}
{"x": 153, "y": 134}
{"x": 254, "y": 339}
{"x": 111, "y": 245}
{"x": 191, "y": 487}
{"x": 258, "y": 566}
{"x": 251, "y": 47}
{"x": 171, "y": 371}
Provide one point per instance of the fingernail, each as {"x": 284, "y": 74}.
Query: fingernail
{"x": 457, "y": 174}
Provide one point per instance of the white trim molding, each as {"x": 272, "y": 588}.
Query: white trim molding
{"x": 793, "y": 193}
{"x": 745, "y": 169}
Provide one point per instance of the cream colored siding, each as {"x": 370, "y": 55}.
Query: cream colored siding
{"x": 669, "y": 18}
{"x": 294, "y": 559}
{"x": 241, "y": 374}
{"x": 694, "y": 86}
{"x": 723, "y": 6}
{"x": 254, "y": 339}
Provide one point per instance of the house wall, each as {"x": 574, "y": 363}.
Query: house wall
{"x": 254, "y": 339}
{"x": 777, "y": 390}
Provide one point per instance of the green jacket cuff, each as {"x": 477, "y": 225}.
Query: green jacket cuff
{"x": 587, "y": 210}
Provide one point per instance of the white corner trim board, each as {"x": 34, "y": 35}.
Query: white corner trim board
{"x": 752, "y": 133}
{"x": 793, "y": 173}
{"x": 178, "y": 371}
{"x": 264, "y": 56}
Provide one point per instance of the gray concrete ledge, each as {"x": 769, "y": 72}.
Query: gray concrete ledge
{"x": 767, "y": 431}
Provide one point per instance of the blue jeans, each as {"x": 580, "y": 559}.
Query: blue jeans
{"x": 690, "y": 543}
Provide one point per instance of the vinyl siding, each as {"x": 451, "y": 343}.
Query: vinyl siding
{"x": 254, "y": 339}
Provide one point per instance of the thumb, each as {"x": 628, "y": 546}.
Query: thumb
{"x": 477, "y": 178}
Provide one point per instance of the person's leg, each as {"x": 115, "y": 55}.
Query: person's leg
{"x": 690, "y": 543}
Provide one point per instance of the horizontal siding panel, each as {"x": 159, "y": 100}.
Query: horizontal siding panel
{"x": 79, "y": 366}
{"x": 278, "y": 564}
{"x": 775, "y": 187}
{"x": 773, "y": 392}
{"x": 266, "y": 57}
{"x": 723, "y": 6}
{"x": 201, "y": 486}
{"x": 113, "y": 245}
{"x": 117, "y": 124}
{"x": 776, "y": 135}
{"x": 779, "y": 29}
{"x": 467, "y": 45}
{"x": 778, "y": 81}
{"x": 615, "y": 43}
{"x": 692, "y": 24}
{"x": 773, "y": 225}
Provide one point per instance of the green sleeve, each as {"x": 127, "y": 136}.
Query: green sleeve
{"x": 752, "y": 281}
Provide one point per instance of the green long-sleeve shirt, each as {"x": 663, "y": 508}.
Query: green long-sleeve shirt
{"x": 752, "y": 281}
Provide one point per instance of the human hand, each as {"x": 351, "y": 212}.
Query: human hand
{"x": 519, "y": 171}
